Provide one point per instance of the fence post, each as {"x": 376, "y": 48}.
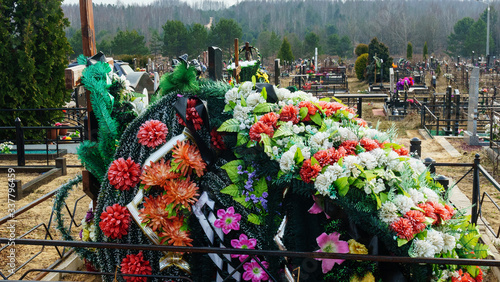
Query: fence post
{"x": 448, "y": 109}
{"x": 18, "y": 189}
{"x": 416, "y": 147}
{"x": 443, "y": 180}
{"x": 475, "y": 190}
{"x": 457, "y": 113}
{"x": 84, "y": 134}
{"x": 21, "y": 158}
{"x": 360, "y": 107}
{"x": 437, "y": 126}
{"x": 429, "y": 162}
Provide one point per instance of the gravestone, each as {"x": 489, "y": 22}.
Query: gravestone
{"x": 391, "y": 76}
{"x": 277, "y": 72}
{"x": 471, "y": 134}
{"x": 214, "y": 63}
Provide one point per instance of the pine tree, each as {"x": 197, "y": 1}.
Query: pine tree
{"x": 33, "y": 57}
{"x": 409, "y": 51}
{"x": 425, "y": 52}
{"x": 285, "y": 53}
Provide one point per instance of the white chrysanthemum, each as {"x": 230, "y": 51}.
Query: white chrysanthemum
{"x": 350, "y": 165}
{"x": 306, "y": 96}
{"x": 417, "y": 166}
{"x": 306, "y": 152}
{"x": 430, "y": 194}
{"x": 246, "y": 88}
{"x": 379, "y": 186}
{"x": 335, "y": 170}
{"x": 371, "y": 133}
{"x": 241, "y": 113}
{"x": 367, "y": 160}
{"x": 393, "y": 160}
{"x": 319, "y": 140}
{"x": 282, "y": 93}
{"x": 232, "y": 95}
{"x": 92, "y": 233}
{"x": 346, "y": 134}
{"x": 323, "y": 183}
{"x": 254, "y": 99}
{"x": 350, "y": 116}
{"x": 403, "y": 203}
{"x": 436, "y": 239}
{"x": 388, "y": 212}
{"x": 449, "y": 242}
{"x": 287, "y": 161}
{"x": 416, "y": 196}
{"x": 369, "y": 186}
{"x": 380, "y": 155}
{"x": 423, "y": 248}
{"x": 297, "y": 129}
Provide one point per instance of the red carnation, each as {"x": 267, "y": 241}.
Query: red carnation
{"x": 361, "y": 122}
{"x": 311, "y": 109}
{"x": 115, "y": 221}
{"x": 402, "y": 151}
{"x": 124, "y": 174}
{"x": 349, "y": 146}
{"x": 152, "y": 133}
{"x": 337, "y": 154}
{"x": 290, "y": 113}
{"x": 271, "y": 119}
{"x": 369, "y": 144}
{"x": 258, "y": 128}
{"x": 217, "y": 140}
{"x": 309, "y": 171}
{"x": 403, "y": 228}
{"x": 324, "y": 157}
{"x": 135, "y": 264}
{"x": 441, "y": 211}
{"x": 331, "y": 108}
{"x": 450, "y": 209}
{"x": 192, "y": 115}
{"x": 429, "y": 211}
{"x": 417, "y": 219}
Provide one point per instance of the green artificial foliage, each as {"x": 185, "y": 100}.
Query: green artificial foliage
{"x": 183, "y": 79}
{"x": 81, "y": 59}
{"x": 89, "y": 155}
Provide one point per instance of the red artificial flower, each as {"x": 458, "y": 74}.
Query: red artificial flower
{"x": 152, "y": 133}
{"x": 270, "y": 119}
{"x": 369, "y": 144}
{"x": 450, "y": 209}
{"x": 155, "y": 213}
{"x": 417, "y": 219}
{"x": 324, "y": 157}
{"x": 349, "y": 146}
{"x": 258, "y": 128}
{"x": 124, "y": 174}
{"x": 192, "y": 115}
{"x": 289, "y": 113}
{"x": 311, "y": 109}
{"x": 361, "y": 122}
{"x": 404, "y": 228}
{"x": 442, "y": 213}
{"x": 217, "y": 140}
{"x": 402, "y": 151}
{"x": 115, "y": 221}
{"x": 331, "y": 108}
{"x": 337, "y": 154}
{"x": 429, "y": 211}
{"x": 135, "y": 264}
{"x": 309, "y": 171}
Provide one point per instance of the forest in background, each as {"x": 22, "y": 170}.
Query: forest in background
{"x": 393, "y": 22}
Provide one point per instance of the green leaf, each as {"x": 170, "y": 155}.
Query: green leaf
{"x": 370, "y": 175}
{"x": 383, "y": 197}
{"x": 377, "y": 199}
{"x": 230, "y": 106}
{"x": 232, "y": 170}
{"x": 342, "y": 185}
{"x": 298, "y": 158}
{"x": 282, "y": 131}
{"x": 230, "y": 125}
{"x": 243, "y": 101}
{"x": 303, "y": 112}
{"x": 481, "y": 251}
{"x": 255, "y": 219}
{"x": 323, "y": 127}
{"x": 263, "y": 93}
{"x": 314, "y": 161}
{"x": 316, "y": 118}
{"x": 401, "y": 242}
{"x": 231, "y": 190}
{"x": 266, "y": 141}
{"x": 263, "y": 108}
{"x": 260, "y": 187}
{"x": 242, "y": 201}
{"x": 326, "y": 99}
{"x": 254, "y": 80}
{"x": 242, "y": 139}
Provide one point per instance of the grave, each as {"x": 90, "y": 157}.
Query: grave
{"x": 471, "y": 136}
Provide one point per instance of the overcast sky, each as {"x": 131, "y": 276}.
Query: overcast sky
{"x": 143, "y": 2}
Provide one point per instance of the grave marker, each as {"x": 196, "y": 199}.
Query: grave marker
{"x": 471, "y": 134}
{"x": 391, "y": 76}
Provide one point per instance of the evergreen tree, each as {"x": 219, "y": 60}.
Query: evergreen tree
{"x": 223, "y": 34}
{"x": 381, "y": 51}
{"x": 198, "y": 37}
{"x": 156, "y": 43}
{"x": 332, "y": 44}
{"x": 456, "y": 40}
{"x": 345, "y": 47}
{"x": 175, "y": 36}
{"x": 425, "y": 53}
{"x": 310, "y": 42}
{"x": 409, "y": 51}
{"x": 361, "y": 49}
{"x": 129, "y": 43}
{"x": 285, "y": 53}
{"x": 33, "y": 56}
{"x": 76, "y": 44}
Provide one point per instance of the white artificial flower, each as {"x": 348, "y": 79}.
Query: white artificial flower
{"x": 416, "y": 196}
{"x": 449, "y": 242}
{"x": 380, "y": 155}
{"x": 393, "y": 160}
{"x": 275, "y": 150}
{"x": 254, "y": 99}
{"x": 336, "y": 170}
{"x": 231, "y": 96}
{"x": 346, "y": 134}
{"x": 388, "y": 212}
{"x": 282, "y": 93}
{"x": 367, "y": 160}
{"x": 306, "y": 152}
{"x": 403, "y": 203}
{"x": 241, "y": 113}
{"x": 246, "y": 88}
{"x": 423, "y": 248}
{"x": 350, "y": 165}
{"x": 323, "y": 183}
{"x": 242, "y": 126}
{"x": 350, "y": 116}
{"x": 379, "y": 186}
{"x": 287, "y": 161}
{"x": 92, "y": 233}
{"x": 436, "y": 239}
{"x": 369, "y": 186}
{"x": 417, "y": 166}
{"x": 430, "y": 194}
{"x": 297, "y": 129}
{"x": 319, "y": 140}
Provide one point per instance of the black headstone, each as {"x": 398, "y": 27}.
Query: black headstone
{"x": 214, "y": 63}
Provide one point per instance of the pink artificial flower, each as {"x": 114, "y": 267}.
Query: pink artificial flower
{"x": 243, "y": 243}
{"x": 228, "y": 220}
{"x": 152, "y": 133}
{"x": 254, "y": 272}
{"x": 317, "y": 207}
{"x": 331, "y": 244}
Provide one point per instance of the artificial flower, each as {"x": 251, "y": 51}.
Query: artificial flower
{"x": 324, "y": 157}
{"x": 181, "y": 192}
{"x": 254, "y": 272}
{"x": 157, "y": 174}
{"x": 367, "y": 278}
{"x": 311, "y": 109}
{"x": 187, "y": 158}
{"x": 175, "y": 234}
{"x": 191, "y": 115}
{"x": 217, "y": 140}
{"x": 228, "y": 220}
{"x": 259, "y": 128}
{"x": 357, "y": 248}
{"x": 135, "y": 264}
{"x": 289, "y": 113}
{"x": 154, "y": 213}
{"x": 309, "y": 171}
{"x": 243, "y": 243}
{"x": 404, "y": 228}
{"x": 349, "y": 146}
{"x": 270, "y": 119}
{"x": 369, "y": 144}
{"x": 124, "y": 174}
{"x": 361, "y": 122}
{"x": 417, "y": 220}
{"x": 115, "y": 221}
{"x": 330, "y": 243}
{"x": 152, "y": 133}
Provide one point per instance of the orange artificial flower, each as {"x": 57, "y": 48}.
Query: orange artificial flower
{"x": 157, "y": 174}
{"x": 181, "y": 192}
{"x": 154, "y": 213}
{"x": 187, "y": 157}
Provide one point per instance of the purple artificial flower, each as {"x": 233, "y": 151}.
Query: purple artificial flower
{"x": 264, "y": 194}
{"x": 89, "y": 216}
{"x": 268, "y": 178}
